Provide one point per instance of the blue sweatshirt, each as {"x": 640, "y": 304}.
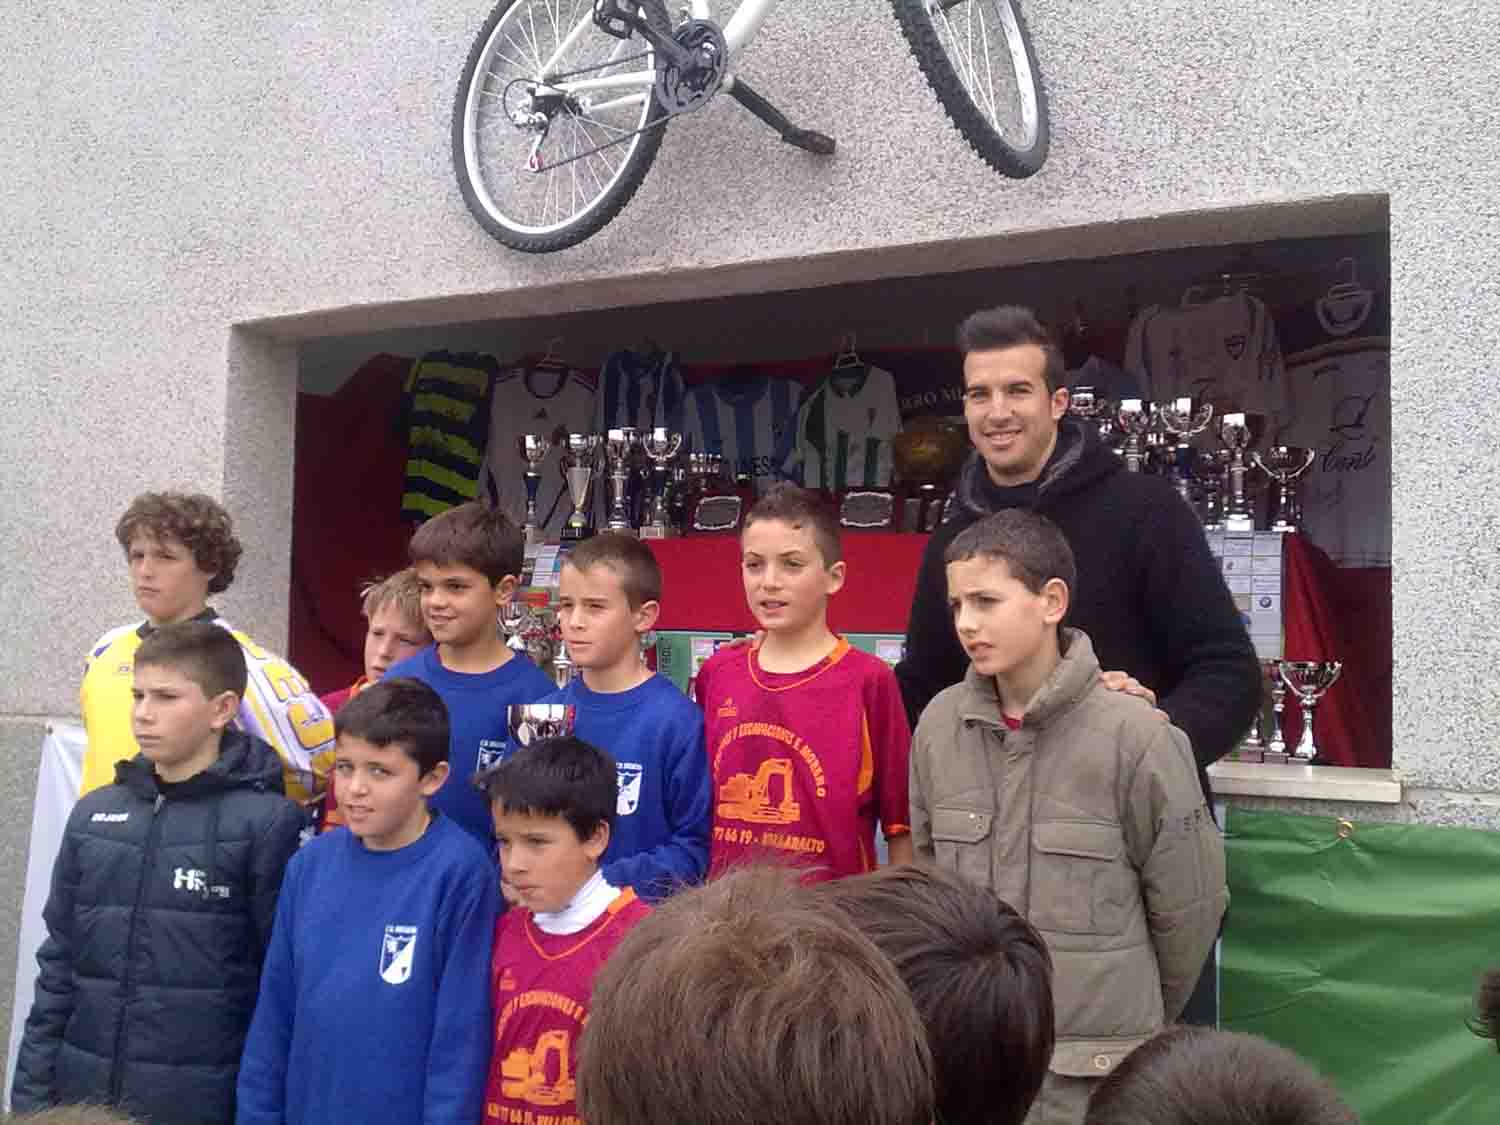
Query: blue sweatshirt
{"x": 479, "y": 733}
{"x": 374, "y": 999}
{"x": 655, "y": 735}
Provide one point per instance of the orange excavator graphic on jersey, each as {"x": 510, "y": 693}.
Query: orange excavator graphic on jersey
{"x": 749, "y": 798}
{"x": 523, "y": 1073}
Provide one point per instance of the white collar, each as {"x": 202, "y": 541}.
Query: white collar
{"x": 592, "y": 900}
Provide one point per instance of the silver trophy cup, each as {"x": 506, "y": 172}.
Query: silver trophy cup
{"x": 619, "y": 445}
{"x": 1179, "y": 419}
{"x": 1238, "y": 433}
{"x": 1284, "y": 464}
{"x": 579, "y": 456}
{"x": 532, "y": 722}
{"x": 1276, "y": 744}
{"x": 1309, "y": 680}
{"x": 661, "y": 445}
{"x": 514, "y": 616}
{"x": 1134, "y": 418}
{"x": 533, "y": 449}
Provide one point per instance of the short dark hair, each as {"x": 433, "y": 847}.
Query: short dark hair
{"x": 801, "y": 508}
{"x": 473, "y": 535}
{"x": 204, "y": 652}
{"x": 1486, "y": 1021}
{"x": 197, "y": 521}
{"x": 628, "y": 557}
{"x": 753, "y": 1004}
{"x": 981, "y": 978}
{"x": 564, "y": 777}
{"x": 1032, "y": 547}
{"x": 1194, "y": 1076}
{"x": 1010, "y": 326}
{"x": 399, "y": 712}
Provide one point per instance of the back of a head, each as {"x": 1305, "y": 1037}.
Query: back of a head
{"x": 801, "y": 508}
{"x": 981, "y": 979}
{"x": 472, "y": 535}
{"x": 564, "y": 777}
{"x": 204, "y": 652}
{"x": 1033, "y": 548}
{"x": 399, "y": 712}
{"x": 629, "y": 558}
{"x": 1196, "y": 1076}
{"x": 747, "y": 1001}
{"x": 1486, "y": 1021}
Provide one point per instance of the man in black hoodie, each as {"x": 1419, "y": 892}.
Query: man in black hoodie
{"x": 163, "y": 894}
{"x": 1150, "y": 595}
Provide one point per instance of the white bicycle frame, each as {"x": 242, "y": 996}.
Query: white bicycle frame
{"x": 738, "y": 32}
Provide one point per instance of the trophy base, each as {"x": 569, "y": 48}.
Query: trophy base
{"x": 575, "y": 534}
{"x": 1283, "y": 527}
{"x": 656, "y": 531}
{"x": 1239, "y": 523}
{"x": 623, "y": 529}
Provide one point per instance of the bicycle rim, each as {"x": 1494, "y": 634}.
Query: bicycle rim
{"x": 986, "y": 45}
{"x": 533, "y": 42}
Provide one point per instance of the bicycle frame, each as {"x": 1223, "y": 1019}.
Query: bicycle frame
{"x": 738, "y": 33}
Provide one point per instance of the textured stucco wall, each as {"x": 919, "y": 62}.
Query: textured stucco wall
{"x": 173, "y": 170}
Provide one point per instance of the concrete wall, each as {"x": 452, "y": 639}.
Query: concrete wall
{"x": 174, "y": 170}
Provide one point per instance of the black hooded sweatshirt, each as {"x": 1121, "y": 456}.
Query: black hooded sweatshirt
{"x": 1149, "y": 593}
{"x": 157, "y": 923}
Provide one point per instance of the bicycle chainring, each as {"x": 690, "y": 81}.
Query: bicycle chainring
{"x": 682, "y": 87}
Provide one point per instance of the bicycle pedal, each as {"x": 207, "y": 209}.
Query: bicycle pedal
{"x": 810, "y": 140}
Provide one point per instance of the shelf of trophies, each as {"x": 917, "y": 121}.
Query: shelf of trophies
{"x": 1245, "y": 496}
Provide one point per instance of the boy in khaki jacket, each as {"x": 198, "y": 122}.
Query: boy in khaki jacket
{"x": 1078, "y": 805}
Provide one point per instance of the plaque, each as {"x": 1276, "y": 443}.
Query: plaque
{"x": 867, "y": 509}
{"x": 717, "y": 513}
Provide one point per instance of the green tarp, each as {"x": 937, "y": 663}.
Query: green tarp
{"x": 1361, "y": 953}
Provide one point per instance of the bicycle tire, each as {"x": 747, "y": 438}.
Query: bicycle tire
{"x": 927, "y": 27}
{"x": 617, "y": 187}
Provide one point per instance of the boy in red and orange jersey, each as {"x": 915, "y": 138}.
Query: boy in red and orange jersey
{"x": 807, "y": 737}
{"x": 553, "y": 804}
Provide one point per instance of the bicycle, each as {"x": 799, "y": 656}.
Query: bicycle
{"x": 559, "y": 114}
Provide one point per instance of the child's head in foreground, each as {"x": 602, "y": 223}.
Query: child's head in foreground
{"x": 750, "y": 1001}
{"x": 391, "y": 756}
{"x": 609, "y": 595}
{"x": 553, "y": 804}
{"x": 468, "y": 561}
{"x": 1010, "y": 577}
{"x": 188, "y": 682}
{"x": 1486, "y": 1021}
{"x": 981, "y": 979}
{"x": 394, "y": 628}
{"x": 1197, "y": 1076}
{"x": 791, "y": 559}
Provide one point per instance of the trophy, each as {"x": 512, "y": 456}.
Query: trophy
{"x": 563, "y": 668}
{"x": 1179, "y": 419}
{"x": 1276, "y": 744}
{"x": 1239, "y": 432}
{"x": 717, "y": 506}
{"x": 513, "y": 617}
{"x": 661, "y": 445}
{"x": 1284, "y": 464}
{"x": 579, "y": 455}
{"x": 533, "y": 449}
{"x": 532, "y": 722}
{"x": 1309, "y": 680}
{"x": 1085, "y": 403}
{"x": 1134, "y": 418}
{"x": 618, "y": 447}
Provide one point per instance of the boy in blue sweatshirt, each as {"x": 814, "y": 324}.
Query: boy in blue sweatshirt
{"x": 608, "y": 597}
{"x": 373, "y": 1005}
{"x": 467, "y": 560}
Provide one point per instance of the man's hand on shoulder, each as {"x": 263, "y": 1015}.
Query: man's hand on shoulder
{"x": 1124, "y": 681}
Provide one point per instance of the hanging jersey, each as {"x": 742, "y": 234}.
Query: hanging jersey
{"x": 845, "y": 429}
{"x": 747, "y": 421}
{"x": 1224, "y": 351}
{"x": 548, "y": 402}
{"x": 805, "y": 764}
{"x": 279, "y": 706}
{"x": 447, "y": 419}
{"x": 644, "y": 391}
{"x": 541, "y": 985}
{"x": 1344, "y": 414}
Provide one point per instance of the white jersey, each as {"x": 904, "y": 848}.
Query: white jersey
{"x": 549, "y": 402}
{"x": 1224, "y": 351}
{"x": 1343, "y": 395}
{"x": 845, "y": 429}
{"x": 746, "y": 421}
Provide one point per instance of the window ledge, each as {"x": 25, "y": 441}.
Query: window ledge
{"x": 1313, "y": 783}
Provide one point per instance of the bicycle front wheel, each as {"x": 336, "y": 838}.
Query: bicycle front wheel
{"x": 544, "y": 94}
{"x": 978, "y": 58}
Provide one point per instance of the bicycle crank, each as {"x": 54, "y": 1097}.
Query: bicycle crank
{"x": 686, "y": 85}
